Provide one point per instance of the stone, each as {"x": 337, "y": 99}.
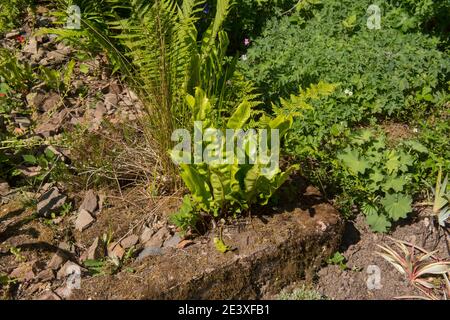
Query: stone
{"x": 84, "y": 220}
{"x": 35, "y": 99}
{"x": 45, "y": 275}
{"x": 24, "y": 272}
{"x": 101, "y": 201}
{"x": 50, "y": 103}
{"x": 37, "y": 57}
{"x": 100, "y": 111}
{"x": 95, "y": 251}
{"x": 173, "y": 241}
{"x": 30, "y": 172}
{"x": 12, "y": 34}
{"x": 4, "y": 188}
{"x": 68, "y": 269}
{"x": 115, "y": 250}
{"x": 90, "y": 202}
{"x": 31, "y": 46}
{"x": 185, "y": 243}
{"x": 113, "y": 87}
{"x": 111, "y": 100}
{"x": 127, "y": 101}
{"x": 47, "y": 129}
{"x": 50, "y": 202}
{"x": 56, "y": 57}
{"x": 146, "y": 235}
{"x": 149, "y": 251}
{"x": 56, "y": 152}
{"x": 48, "y": 295}
{"x": 63, "y": 49}
{"x": 133, "y": 96}
{"x": 158, "y": 238}
{"x": 57, "y": 260}
{"x": 23, "y": 122}
{"x": 129, "y": 241}
{"x": 77, "y": 85}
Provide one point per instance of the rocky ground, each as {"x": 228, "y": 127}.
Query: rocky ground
{"x": 50, "y": 234}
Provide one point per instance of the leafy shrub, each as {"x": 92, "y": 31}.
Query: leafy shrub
{"x": 425, "y": 14}
{"x": 248, "y": 17}
{"x": 383, "y": 71}
{"x": 434, "y": 134}
{"x": 233, "y": 188}
{"x": 381, "y": 180}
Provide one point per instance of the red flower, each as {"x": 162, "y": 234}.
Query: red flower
{"x": 21, "y": 39}
{"x": 2, "y": 95}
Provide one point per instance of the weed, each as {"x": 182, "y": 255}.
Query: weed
{"x": 302, "y": 293}
{"x": 17, "y": 254}
{"x": 339, "y": 260}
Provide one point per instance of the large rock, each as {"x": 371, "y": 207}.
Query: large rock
{"x": 24, "y": 272}
{"x": 50, "y": 202}
{"x": 271, "y": 252}
{"x": 31, "y": 46}
{"x": 95, "y": 251}
{"x": 90, "y": 202}
{"x": 129, "y": 241}
{"x": 4, "y": 188}
{"x": 84, "y": 220}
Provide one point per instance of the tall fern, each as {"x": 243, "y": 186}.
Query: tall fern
{"x": 156, "y": 45}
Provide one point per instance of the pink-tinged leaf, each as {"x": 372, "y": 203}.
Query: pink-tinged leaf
{"x": 435, "y": 268}
{"x": 394, "y": 255}
{"x": 427, "y": 256}
{"x": 425, "y": 283}
{"x": 392, "y": 261}
{"x": 412, "y": 298}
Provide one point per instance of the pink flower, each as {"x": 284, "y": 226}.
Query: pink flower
{"x": 246, "y": 42}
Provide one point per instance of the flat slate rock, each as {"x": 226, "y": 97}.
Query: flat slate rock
{"x": 50, "y": 202}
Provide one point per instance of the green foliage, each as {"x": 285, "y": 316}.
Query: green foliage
{"x": 58, "y": 80}
{"x": 302, "y": 293}
{"x": 14, "y": 75}
{"x": 224, "y": 189}
{"x": 10, "y": 12}
{"x": 17, "y": 252}
{"x": 380, "y": 71}
{"x": 156, "y": 45}
{"x": 434, "y": 134}
{"x": 339, "y": 260}
{"x": 380, "y": 179}
{"x": 248, "y": 17}
{"x": 220, "y": 245}
{"x": 432, "y": 16}
{"x": 441, "y": 204}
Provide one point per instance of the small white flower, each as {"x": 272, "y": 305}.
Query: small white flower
{"x": 244, "y": 57}
{"x": 415, "y": 130}
{"x": 348, "y": 92}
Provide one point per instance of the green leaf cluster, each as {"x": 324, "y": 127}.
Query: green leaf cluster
{"x": 379, "y": 177}
{"x": 229, "y": 189}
